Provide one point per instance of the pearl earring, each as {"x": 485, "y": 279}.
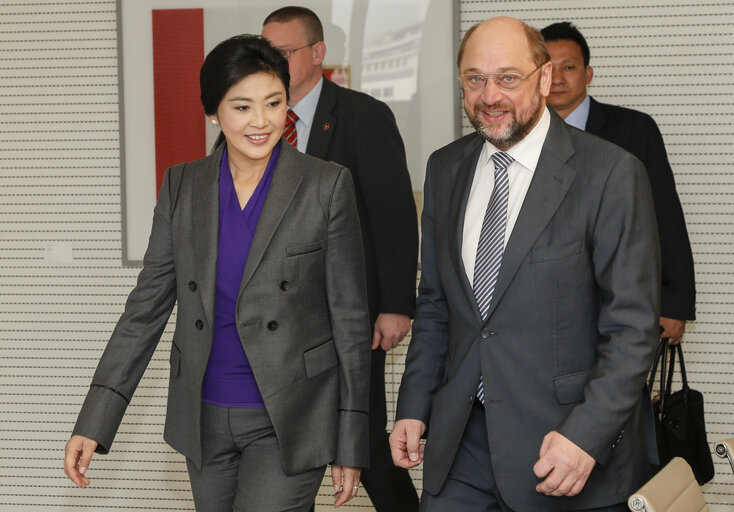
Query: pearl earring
{"x": 214, "y": 121}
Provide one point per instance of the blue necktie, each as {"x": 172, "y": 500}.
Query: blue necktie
{"x": 492, "y": 242}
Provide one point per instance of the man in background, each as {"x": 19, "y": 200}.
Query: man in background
{"x": 637, "y": 133}
{"x": 359, "y": 132}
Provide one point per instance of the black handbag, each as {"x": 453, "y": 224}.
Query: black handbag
{"x": 679, "y": 422}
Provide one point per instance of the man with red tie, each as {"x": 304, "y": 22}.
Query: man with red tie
{"x": 359, "y": 132}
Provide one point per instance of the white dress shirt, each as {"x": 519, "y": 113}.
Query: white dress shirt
{"x": 520, "y": 172}
{"x": 306, "y": 110}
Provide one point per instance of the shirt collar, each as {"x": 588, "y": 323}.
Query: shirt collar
{"x": 527, "y": 151}
{"x": 580, "y": 114}
{"x": 306, "y": 108}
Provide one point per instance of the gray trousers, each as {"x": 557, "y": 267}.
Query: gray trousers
{"x": 470, "y": 485}
{"x": 241, "y": 468}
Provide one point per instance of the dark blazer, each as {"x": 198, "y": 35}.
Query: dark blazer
{"x": 359, "y": 132}
{"x": 571, "y": 332}
{"x": 637, "y": 133}
{"x": 301, "y": 314}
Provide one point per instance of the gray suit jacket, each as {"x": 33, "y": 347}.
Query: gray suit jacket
{"x": 638, "y": 133}
{"x": 571, "y": 331}
{"x": 301, "y": 314}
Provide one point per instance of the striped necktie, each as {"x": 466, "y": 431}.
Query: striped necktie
{"x": 290, "y": 133}
{"x": 492, "y": 242}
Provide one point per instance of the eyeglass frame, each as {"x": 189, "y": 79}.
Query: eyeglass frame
{"x": 288, "y": 52}
{"x": 496, "y": 78}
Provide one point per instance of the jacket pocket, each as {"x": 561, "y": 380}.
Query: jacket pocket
{"x": 304, "y": 249}
{"x": 175, "y": 360}
{"x": 570, "y": 387}
{"x": 555, "y": 252}
{"x": 319, "y": 359}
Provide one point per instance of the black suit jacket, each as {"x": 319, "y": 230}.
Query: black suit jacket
{"x": 637, "y": 133}
{"x": 360, "y": 133}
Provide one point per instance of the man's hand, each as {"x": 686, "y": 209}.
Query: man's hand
{"x": 405, "y": 443}
{"x": 565, "y": 466}
{"x": 390, "y": 329}
{"x": 79, "y": 450}
{"x": 346, "y": 483}
{"x": 672, "y": 329}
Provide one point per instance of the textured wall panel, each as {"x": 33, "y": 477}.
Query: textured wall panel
{"x": 62, "y": 284}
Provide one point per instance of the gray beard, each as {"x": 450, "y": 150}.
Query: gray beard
{"x": 515, "y": 131}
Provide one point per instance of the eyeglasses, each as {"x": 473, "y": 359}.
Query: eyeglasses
{"x": 507, "y": 81}
{"x": 287, "y": 53}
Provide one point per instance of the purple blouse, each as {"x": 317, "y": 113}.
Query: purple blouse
{"x": 228, "y": 381}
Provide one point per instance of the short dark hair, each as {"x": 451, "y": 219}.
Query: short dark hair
{"x": 311, "y": 23}
{"x": 234, "y": 59}
{"x": 567, "y": 31}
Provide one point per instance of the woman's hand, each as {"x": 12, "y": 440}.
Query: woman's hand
{"x": 79, "y": 450}
{"x": 346, "y": 483}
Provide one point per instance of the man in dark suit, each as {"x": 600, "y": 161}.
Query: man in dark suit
{"x": 637, "y": 133}
{"x": 359, "y": 132}
{"x": 536, "y": 320}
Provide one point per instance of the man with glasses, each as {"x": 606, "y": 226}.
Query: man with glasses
{"x": 360, "y": 133}
{"x": 638, "y": 133}
{"x": 536, "y": 320}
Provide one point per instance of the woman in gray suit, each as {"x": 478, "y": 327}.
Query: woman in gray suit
{"x": 260, "y": 246}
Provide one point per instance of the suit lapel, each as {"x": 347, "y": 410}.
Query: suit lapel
{"x": 462, "y": 177}
{"x": 551, "y": 180}
{"x": 596, "y": 120}
{"x": 205, "y": 229}
{"x": 287, "y": 177}
{"x": 324, "y": 122}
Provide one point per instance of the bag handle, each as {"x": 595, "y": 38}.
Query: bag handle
{"x": 671, "y": 370}
{"x": 666, "y": 384}
{"x": 662, "y": 355}
{"x": 683, "y": 376}
{"x": 654, "y": 370}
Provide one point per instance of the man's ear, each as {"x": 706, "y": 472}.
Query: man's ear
{"x": 546, "y": 78}
{"x": 318, "y": 52}
{"x": 589, "y": 74}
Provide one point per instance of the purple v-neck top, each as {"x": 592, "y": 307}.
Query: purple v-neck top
{"x": 229, "y": 381}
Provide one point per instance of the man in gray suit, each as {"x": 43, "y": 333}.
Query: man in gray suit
{"x": 537, "y": 311}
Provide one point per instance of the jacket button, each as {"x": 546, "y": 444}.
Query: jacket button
{"x": 285, "y": 286}
{"x": 192, "y": 286}
{"x": 485, "y": 333}
{"x": 272, "y": 325}
{"x": 199, "y": 325}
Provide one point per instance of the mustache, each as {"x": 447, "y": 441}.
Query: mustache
{"x": 480, "y": 105}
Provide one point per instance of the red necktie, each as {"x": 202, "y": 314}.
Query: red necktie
{"x": 290, "y": 133}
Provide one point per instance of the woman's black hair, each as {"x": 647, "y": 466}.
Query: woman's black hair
{"x": 234, "y": 59}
